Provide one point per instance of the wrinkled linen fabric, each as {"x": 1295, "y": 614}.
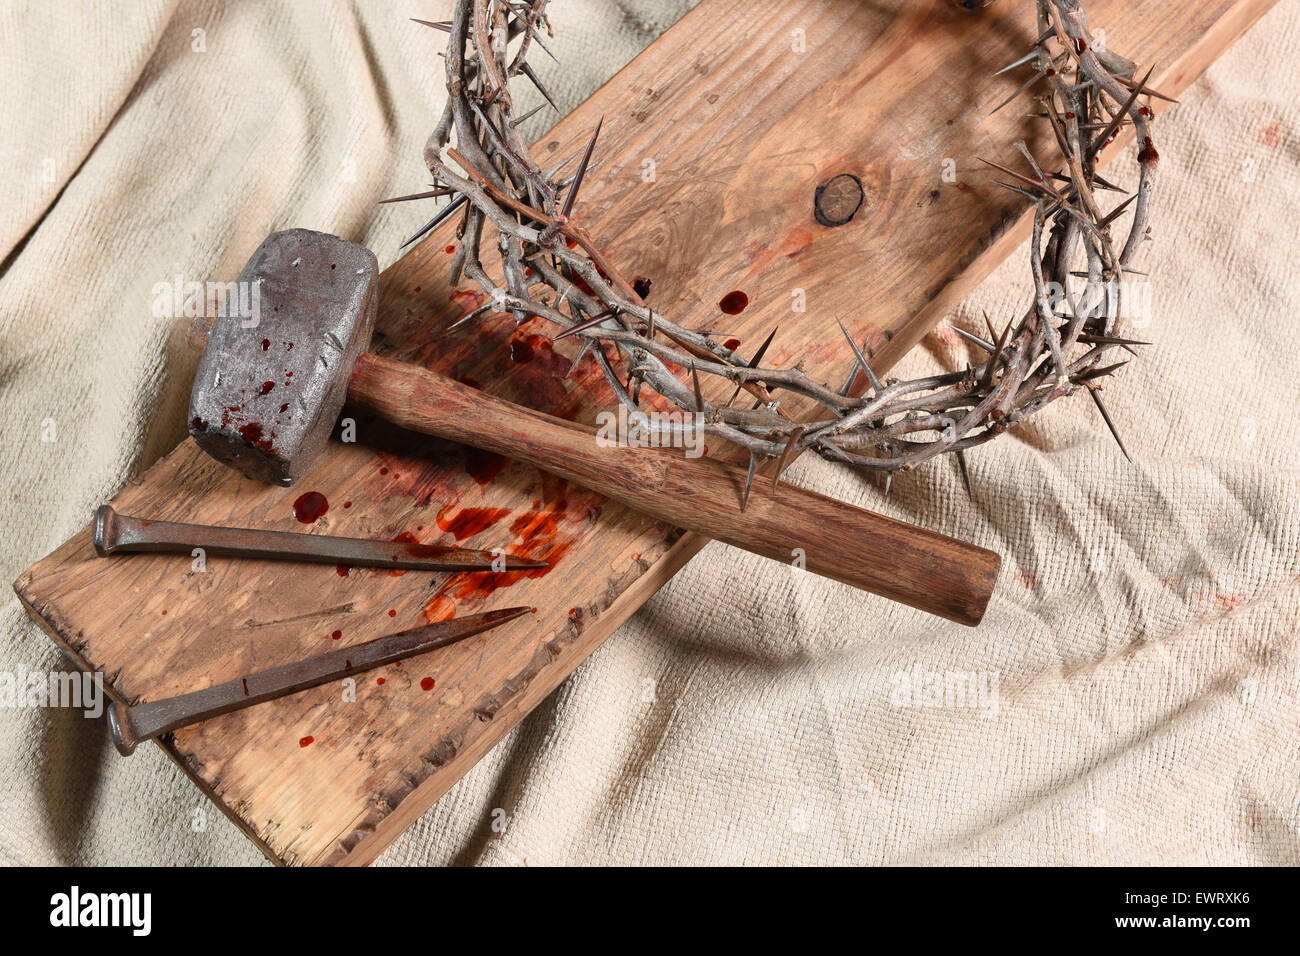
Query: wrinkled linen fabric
{"x": 1131, "y": 696}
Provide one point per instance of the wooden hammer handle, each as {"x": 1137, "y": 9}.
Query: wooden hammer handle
{"x": 902, "y": 562}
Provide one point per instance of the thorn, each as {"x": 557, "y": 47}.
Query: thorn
{"x": 785, "y": 453}
{"x": 975, "y": 339}
{"x": 431, "y": 194}
{"x": 749, "y": 480}
{"x": 582, "y": 350}
{"x": 1108, "y": 339}
{"x": 699, "y": 395}
{"x": 753, "y": 363}
{"x": 515, "y": 123}
{"x": 650, "y": 325}
{"x": 471, "y": 315}
{"x": 862, "y": 359}
{"x": 528, "y": 72}
{"x": 1116, "y": 212}
{"x": 437, "y": 220}
{"x": 965, "y": 475}
{"x": 1118, "y": 118}
{"x": 762, "y": 349}
{"x": 443, "y": 25}
{"x": 1143, "y": 88}
{"x": 1026, "y": 85}
{"x": 581, "y": 326}
{"x": 582, "y": 171}
{"x": 889, "y": 480}
{"x": 1011, "y": 66}
{"x": 1101, "y": 407}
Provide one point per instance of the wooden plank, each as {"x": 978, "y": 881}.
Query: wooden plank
{"x": 740, "y": 128}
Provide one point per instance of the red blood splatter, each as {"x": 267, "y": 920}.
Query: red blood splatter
{"x": 266, "y": 387}
{"x": 467, "y": 522}
{"x": 379, "y": 680}
{"x": 347, "y": 504}
{"x": 575, "y": 615}
{"x": 252, "y": 433}
{"x": 310, "y": 506}
{"x": 336, "y": 635}
{"x": 439, "y": 608}
{"x": 1079, "y": 45}
{"x": 383, "y": 471}
{"x": 164, "y": 611}
{"x": 426, "y": 684}
{"x": 1148, "y": 156}
{"x": 734, "y": 303}
{"x": 266, "y": 344}
{"x": 731, "y": 344}
{"x": 416, "y": 289}
{"x": 305, "y": 741}
{"x": 284, "y": 408}
{"x": 199, "y": 424}
{"x": 449, "y": 250}
{"x": 641, "y": 286}
{"x": 392, "y": 613}
{"x": 1145, "y": 111}
{"x": 343, "y": 570}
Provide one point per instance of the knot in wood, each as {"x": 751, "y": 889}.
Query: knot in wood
{"x": 838, "y": 200}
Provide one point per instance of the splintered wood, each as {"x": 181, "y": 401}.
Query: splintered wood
{"x": 742, "y": 127}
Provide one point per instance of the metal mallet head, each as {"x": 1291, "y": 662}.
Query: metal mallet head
{"x": 274, "y": 376}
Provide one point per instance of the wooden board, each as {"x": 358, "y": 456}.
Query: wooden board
{"x": 741, "y": 128}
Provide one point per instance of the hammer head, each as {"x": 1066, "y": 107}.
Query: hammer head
{"x": 275, "y": 371}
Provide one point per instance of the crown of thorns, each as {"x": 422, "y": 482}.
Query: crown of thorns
{"x": 551, "y": 268}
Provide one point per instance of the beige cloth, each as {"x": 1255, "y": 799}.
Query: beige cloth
{"x": 1142, "y": 640}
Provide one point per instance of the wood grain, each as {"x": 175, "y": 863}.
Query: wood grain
{"x": 741, "y": 130}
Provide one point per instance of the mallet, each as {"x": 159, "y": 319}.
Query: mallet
{"x": 266, "y": 397}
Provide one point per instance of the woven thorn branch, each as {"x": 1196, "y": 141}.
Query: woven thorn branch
{"x": 553, "y": 269}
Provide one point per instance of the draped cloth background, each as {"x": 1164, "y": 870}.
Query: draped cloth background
{"x": 1142, "y": 641}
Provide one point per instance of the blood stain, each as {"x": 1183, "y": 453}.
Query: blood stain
{"x": 266, "y": 387}
{"x": 392, "y": 613}
{"x": 641, "y": 286}
{"x": 379, "y": 680}
{"x": 347, "y": 504}
{"x": 310, "y": 506}
{"x": 1148, "y": 156}
{"x": 467, "y": 522}
{"x": 734, "y": 303}
{"x": 449, "y": 250}
{"x": 252, "y": 433}
{"x": 336, "y": 635}
{"x": 343, "y": 570}
{"x": 426, "y": 684}
{"x": 305, "y": 741}
{"x": 383, "y": 471}
{"x": 731, "y": 344}
{"x": 266, "y": 344}
{"x": 438, "y": 609}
